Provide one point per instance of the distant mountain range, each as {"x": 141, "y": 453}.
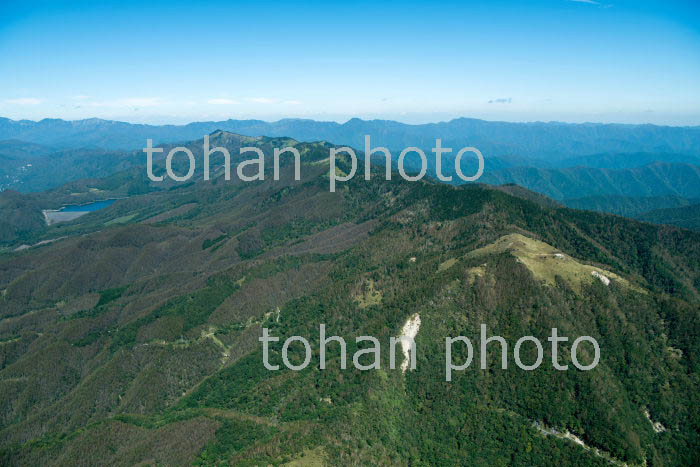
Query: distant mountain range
{"x": 621, "y": 160}
{"x": 539, "y": 141}
{"x": 14, "y": 149}
{"x": 623, "y": 169}
{"x": 29, "y": 167}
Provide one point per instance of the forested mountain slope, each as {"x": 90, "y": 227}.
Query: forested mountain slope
{"x": 135, "y": 338}
{"x": 684, "y": 216}
{"x": 654, "y": 180}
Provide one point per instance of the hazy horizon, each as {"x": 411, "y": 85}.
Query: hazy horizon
{"x": 339, "y": 120}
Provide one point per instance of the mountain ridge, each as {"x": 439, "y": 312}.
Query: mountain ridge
{"x": 553, "y": 139}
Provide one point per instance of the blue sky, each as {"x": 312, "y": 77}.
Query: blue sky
{"x": 584, "y": 60}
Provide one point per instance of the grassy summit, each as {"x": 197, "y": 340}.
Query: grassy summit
{"x": 547, "y": 263}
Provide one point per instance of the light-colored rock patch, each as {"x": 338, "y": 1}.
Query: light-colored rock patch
{"x": 567, "y": 435}
{"x": 600, "y": 276}
{"x": 409, "y": 331}
{"x": 657, "y": 426}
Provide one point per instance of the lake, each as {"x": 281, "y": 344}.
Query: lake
{"x": 90, "y": 207}
{"x": 73, "y": 211}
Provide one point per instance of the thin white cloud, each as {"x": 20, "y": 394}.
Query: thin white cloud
{"x": 292, "y": 102}
{"x": 80, "y": 97}
{"x": 222, "y": 101}
{"x": 502, "y": 100}
{"x": 262, "y": 100}
{"x": 589, "y": 2}
{"x": 24, "y": 101}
